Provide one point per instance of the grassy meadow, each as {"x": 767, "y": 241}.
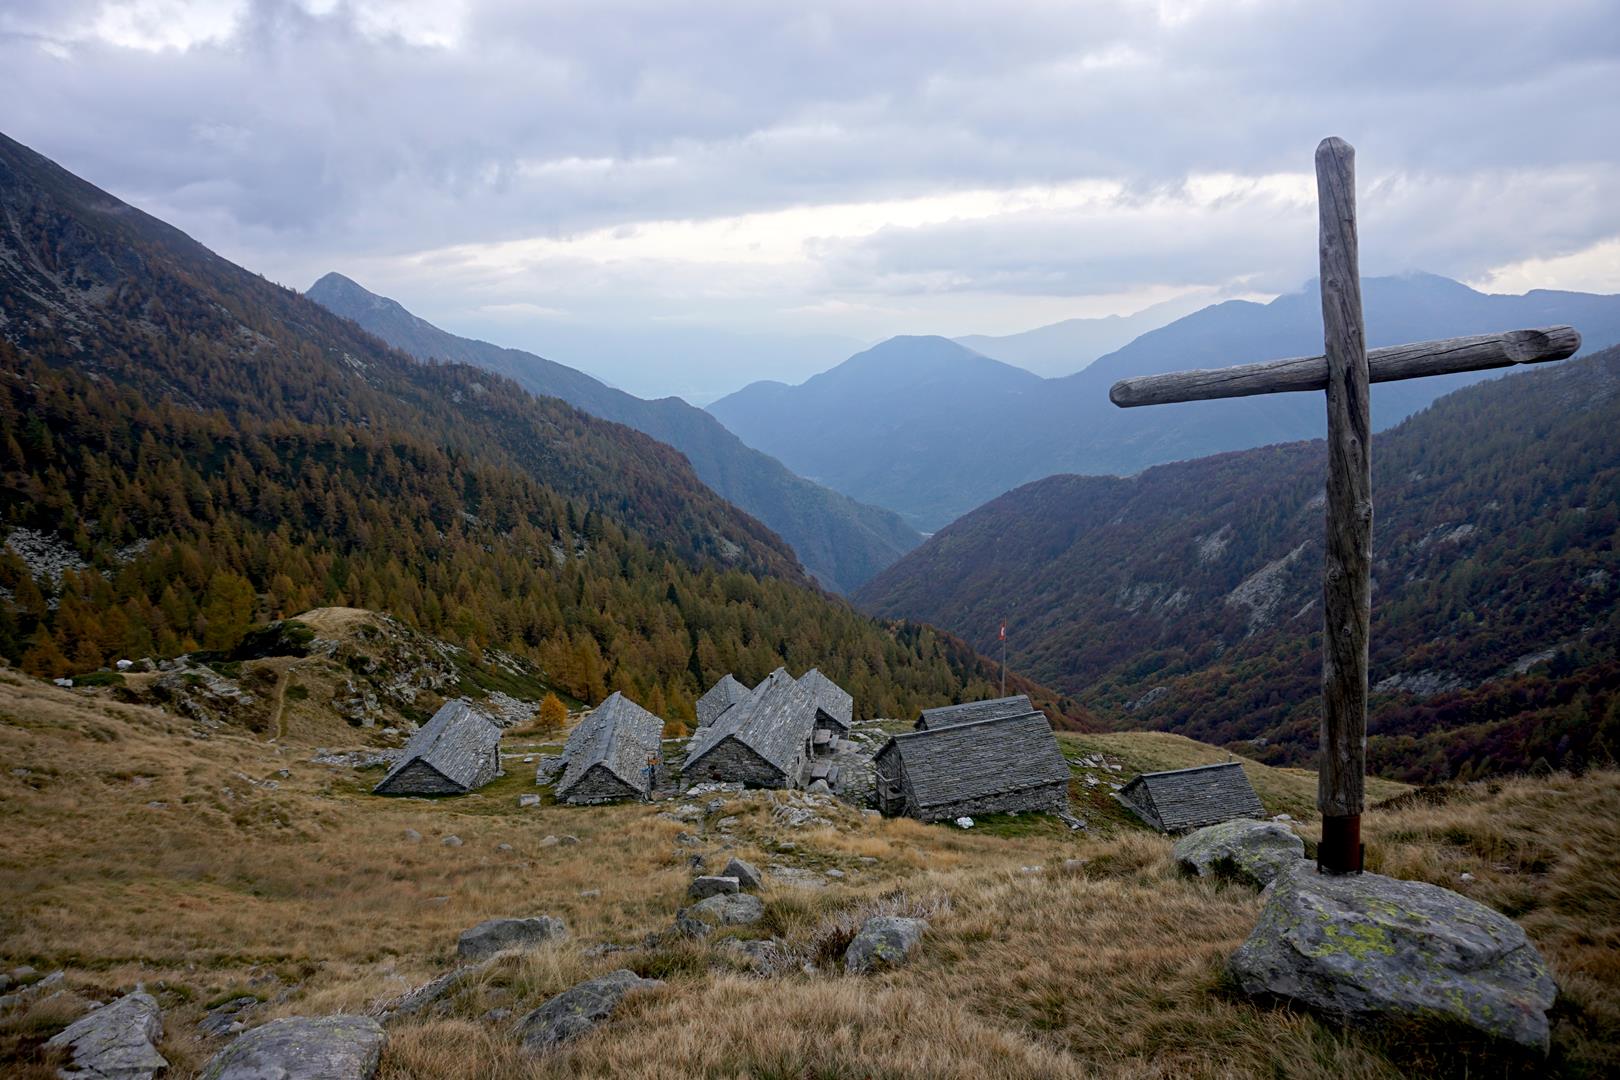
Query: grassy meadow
{"x": 207, "y": 869}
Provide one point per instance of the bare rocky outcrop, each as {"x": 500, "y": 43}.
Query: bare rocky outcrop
{"x": 1364, "y": 946}
{"x": 578, "y": 1009}
{"x": 339, "y": 1047}
{"x": 115, "y": 1042}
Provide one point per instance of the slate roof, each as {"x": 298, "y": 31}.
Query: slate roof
{"x": 1183, "y": 799}
{"x": 773, "y": 722}
{"x": 455, "y": 742}
{"x": 832, "y": 700}
{"x": 619, "y": 736}
{"x": 970, "y": 712}
{"x": 985, "y": 757}
{"x": 721, "y": 696}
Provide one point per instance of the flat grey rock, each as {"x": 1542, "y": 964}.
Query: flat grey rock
{"x": 221, "y": 1018}
{"x": 726, "y": 909}
{"x": 1250, "y": 851}
{"x": 497, "y": 935}
{"x": 709, "y": 885}
{"x": 1362, "y": 946}
{"x": 578, "y": 1009}
{"x": 338, "y": 1047}
{"x": 883, "y": 941}
{"x": 115, "y": 1042}
{"x": 746, "y": 873}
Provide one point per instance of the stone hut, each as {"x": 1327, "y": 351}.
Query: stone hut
{"x": 455, "y": 752}
{"x": 763, "y": 741}
{"x": 835, "y": 711}
{"x": 606, "y": 755}
{"x": 1183, "y": 799}
{"x": 985, "y": 767}
{"x": 721, "y": 696}
{"x": 970, "y": 712}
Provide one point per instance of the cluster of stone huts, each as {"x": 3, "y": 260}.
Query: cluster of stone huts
{"x": 783, "y": 733}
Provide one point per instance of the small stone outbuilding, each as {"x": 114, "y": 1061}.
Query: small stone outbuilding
{"x": 971, "y": 712}
{"x": 986, "y": 767}
{"x": 606, "y": 757}
{"x": 1183, "y": 799}
{"x": 455, "y": 752}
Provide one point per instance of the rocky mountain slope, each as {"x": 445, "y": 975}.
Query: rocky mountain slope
{"x": 927, "y": 427}
{"x": 1187, "y": 598}
{"x": 842, "y": 542}
{"x": 196, "y": 450}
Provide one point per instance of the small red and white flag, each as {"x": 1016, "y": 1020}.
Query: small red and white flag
{"x": 1003, "y": 631}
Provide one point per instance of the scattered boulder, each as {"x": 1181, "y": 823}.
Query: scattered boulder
{"x": 578, "y": 1009}
{"x": 117, "y": 1041}
{"x": 1251, "y": 851}
{"x": 725, "y": 909}
{"x": 430, "y": 992}
{"x": 226, "y": 1017}
{"x": 338, "y": 1047}
{"x": 819, "y": 787}
{"x": 712, "y": 885}
{"x": 883, "y": 941}
{"x": 1360, "y": 946}
{"x": 497, "y": 935}
{"x": 746, "y": 873}
{"x": 528, "y": 800}
{"x": 451, "y": 841}
{"x": 964, "y": 822}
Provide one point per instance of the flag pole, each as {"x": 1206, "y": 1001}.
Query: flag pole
{"x": 1004, "y": 656}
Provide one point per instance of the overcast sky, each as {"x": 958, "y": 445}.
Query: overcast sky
{"x": 791, "y": 178}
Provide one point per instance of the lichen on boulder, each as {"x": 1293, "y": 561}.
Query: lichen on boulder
{"x": 1364, "y": 946}
{"x": 1250, "y": 851}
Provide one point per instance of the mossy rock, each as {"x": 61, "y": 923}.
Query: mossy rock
{"x": 1365, "y": 946}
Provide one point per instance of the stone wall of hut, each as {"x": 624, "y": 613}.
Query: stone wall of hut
{"x": 731, "y": 763}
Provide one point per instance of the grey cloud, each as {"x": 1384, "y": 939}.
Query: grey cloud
{"x": 303, "y": 143}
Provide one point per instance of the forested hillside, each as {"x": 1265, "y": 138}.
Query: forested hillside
{"x": 842, "y": 542}
{"x": 187, "y": 449}
{"x": 1188, "y": 598}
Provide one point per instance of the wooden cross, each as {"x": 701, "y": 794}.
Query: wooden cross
{"x": 1345, "y": 372}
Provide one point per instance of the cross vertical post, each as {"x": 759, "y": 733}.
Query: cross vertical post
{"x": 1347, "y": 583}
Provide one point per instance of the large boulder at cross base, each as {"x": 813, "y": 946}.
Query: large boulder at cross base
{"x": 883, "y": 941}
{"x": 1250, "y": 851}
{"x": 578, "y": 1009}
{"x": 1365, "y": 946}
{"x": 497, "y": 935}
{"x": 337, "y": 1047}
{"x": 115, "y": 1042}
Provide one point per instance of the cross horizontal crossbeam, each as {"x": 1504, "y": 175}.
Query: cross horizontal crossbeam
{"x": 1478, "y": 353}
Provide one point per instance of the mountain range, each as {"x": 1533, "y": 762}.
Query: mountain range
{"x": 187, "y": 449}
{"x": 1188, "y": 598}
{"x": 931, "y": 428}
{"x": 840, "y": 541}
{"x": 1063, "y": 348}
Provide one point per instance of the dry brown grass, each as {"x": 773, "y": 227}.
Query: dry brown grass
{"x": 307, "y": 894}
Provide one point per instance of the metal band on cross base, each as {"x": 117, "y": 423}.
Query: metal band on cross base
{"x": 1340, "y": 849}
